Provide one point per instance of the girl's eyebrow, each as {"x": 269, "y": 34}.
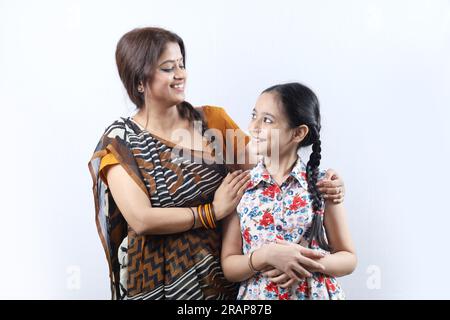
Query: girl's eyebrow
{"x": 265, "y": 113}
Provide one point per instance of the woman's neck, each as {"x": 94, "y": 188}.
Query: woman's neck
{"x": 161, "y": 119}
{"x": 280, "y": 170}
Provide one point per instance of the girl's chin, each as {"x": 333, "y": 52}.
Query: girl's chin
{"x": 257, "y": 149}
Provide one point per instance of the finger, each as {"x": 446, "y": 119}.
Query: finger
{"x": 330, "y": 184}
{"x": 310, "y": 264}
{"x": 272, "y": 273}
{"x": 294, "y": 275}
{"x": 232, "y": 175}
{"x": 330, "y": 173}
{"x": 236, "y": 179}
{"x": 280, "y": 279}
{"x": 287, "y": 284}
{"x": 241, "y": 191}
{"x": 242, "y": 183}
{"x": 332, "y": 196}
{"x": 312, "y": 254}
{"x": 330, "y": 191}
{"x": 302, "y": 272}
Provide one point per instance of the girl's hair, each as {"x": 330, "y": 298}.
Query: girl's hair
{"x": 137, "y": 54}
{"x": 301, "y": 106}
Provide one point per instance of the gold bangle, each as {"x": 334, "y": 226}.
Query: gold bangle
{"x": 193, "y": 215}
{"x": 209, "y": 215}
{"x": 213, "y": 215}
{"x": 205, "y": 217}
{"x": 200, "y": 215}
{"x": 250, "y": 263}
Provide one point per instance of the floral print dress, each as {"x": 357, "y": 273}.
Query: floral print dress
{"x": 267, "y": 212}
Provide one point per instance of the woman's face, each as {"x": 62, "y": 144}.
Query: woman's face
{"x": 169, "y": 79}
{"x": 269, "y": 128}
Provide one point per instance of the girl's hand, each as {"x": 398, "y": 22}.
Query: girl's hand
{"x": 279, "y": 277}
{"x": 293, "y": 259}
{"x": 332, "y": 187}
{"x": 229, "y": 193}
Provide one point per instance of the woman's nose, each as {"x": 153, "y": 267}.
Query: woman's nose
{"x": 179, "y": 73}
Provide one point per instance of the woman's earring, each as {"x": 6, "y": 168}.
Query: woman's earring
{"x": 140, "y": 87}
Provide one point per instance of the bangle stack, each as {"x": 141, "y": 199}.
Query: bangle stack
{"x": 207, "y": 215}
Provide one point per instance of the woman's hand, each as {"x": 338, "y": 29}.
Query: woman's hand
{"x": 292, "y": 259}
{"x": 332, "y": 187}
{"x": 230, "y": 192}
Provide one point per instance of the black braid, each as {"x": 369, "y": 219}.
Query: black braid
{"x": 302, "y": 108}
{"x": 316, "y": 231}
{"x": 187, "y": 111}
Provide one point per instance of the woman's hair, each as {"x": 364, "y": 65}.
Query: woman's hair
{"x": 301, "y": 107}
{"x": 137, "y": 54}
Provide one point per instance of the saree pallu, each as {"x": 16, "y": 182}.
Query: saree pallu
{"x": 184, "y": 265}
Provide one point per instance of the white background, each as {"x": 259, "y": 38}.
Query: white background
{"x": 381, "y": 70}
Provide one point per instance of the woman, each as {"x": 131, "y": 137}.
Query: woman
{"x": 159, "y": 202}
{"x": 279, "y": 227}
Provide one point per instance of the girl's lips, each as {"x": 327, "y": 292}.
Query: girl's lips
{"x": 258, "y": 139}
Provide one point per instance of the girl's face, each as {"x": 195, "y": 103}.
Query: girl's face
{"x": 269, "y": 128}
{"x": 169, "y": 79}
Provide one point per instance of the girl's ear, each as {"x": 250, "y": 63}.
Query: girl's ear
{"x": 300, "y": 133}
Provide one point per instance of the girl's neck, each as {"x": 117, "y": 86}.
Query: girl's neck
{"x": 280, "y": 170}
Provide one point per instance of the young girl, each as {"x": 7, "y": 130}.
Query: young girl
{"x": 286, "y": 242}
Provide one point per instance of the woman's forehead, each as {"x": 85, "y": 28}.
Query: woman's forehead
{"x": 171, "y": 53}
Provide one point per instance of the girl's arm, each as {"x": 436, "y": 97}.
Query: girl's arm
{"x": 342, "y": 260}
{"x": 137, "y": 210}
{"x": 236, "y": 267}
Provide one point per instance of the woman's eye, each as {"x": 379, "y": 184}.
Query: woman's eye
{"x": 167, "y": 69}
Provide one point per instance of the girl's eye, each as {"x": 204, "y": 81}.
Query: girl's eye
{"x": 182, "y": 66}
{"x": 253, "y": 116}
{"x": 267, "y": 120}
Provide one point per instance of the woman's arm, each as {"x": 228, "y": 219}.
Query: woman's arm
{"x": 342, "y": 260}
{"x": 236, "y": 267}
{"x": 137, "y": 210}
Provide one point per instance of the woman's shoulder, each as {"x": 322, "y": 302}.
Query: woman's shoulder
{"x": 119, "y": 128}
{"x": 210, "y": 108}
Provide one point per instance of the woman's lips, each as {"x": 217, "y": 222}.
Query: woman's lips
{"x": 178, "y": 87}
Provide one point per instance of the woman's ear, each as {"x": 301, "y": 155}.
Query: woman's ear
{"x": 300, "y": 133}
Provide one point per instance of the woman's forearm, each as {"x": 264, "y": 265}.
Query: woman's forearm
{"x": 165, "y": 220}
{"x": 338, "y": 264}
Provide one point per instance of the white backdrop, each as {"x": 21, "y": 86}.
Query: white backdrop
{"x": 381, "y": 70}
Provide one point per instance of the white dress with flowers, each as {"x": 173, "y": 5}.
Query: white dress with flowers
{"x": 268, "y": 211}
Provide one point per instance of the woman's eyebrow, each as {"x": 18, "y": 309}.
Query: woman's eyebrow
{"x": 173, "y": 61}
